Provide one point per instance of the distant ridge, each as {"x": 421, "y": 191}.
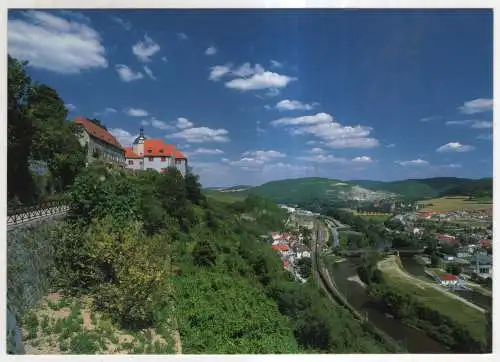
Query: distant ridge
{"x": 300, "y": 189}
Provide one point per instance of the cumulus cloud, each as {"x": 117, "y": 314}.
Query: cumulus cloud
{"x": 362, "y": 159}
{"x": 322, "y": 158}
{"x": 455, "y": 147}
{"x": 255, "y": 160}
{"x": 429, "y": 119}
{"x": 331, "y": 133}
{"x": 202, "y": 134}
{"x": 136, "y": 112}
{"x": 417, "y": 162}
{"x": 487, "y": 137}
{"x": 145, "y": 49}
{"x": 250, "y": 78}
{"x": 211, "y": 50}
{"x": 183, "y": 123}
{"x": 182, "y": 36}
{"x": 164, "y": 126}
{"x": 61, "y": 44}
{"x": 124, "y": 137}
{"x": 70, "y": 106}
{"x": 219, "y": 71}
{"x": 318, "y": 118}
{"x": 149, "y": 72}
{"x": 127, "y": 74}
{"x": 478, "y": 105}
{"x": 145, "y": 122}
{"x": 292, "y": 105}
{"x": 260, "y": 81}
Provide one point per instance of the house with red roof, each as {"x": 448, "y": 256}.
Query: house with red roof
{"x": 485, "y": 243}
{"x": 100, "y": 143}
{"x": 447, "y": 280}
{"x": 151, "y": 154}
{"x": 280, "y": 247}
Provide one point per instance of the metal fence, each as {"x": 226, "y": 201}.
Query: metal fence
{"x": 20, "y": 214}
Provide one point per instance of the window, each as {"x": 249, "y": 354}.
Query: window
{"x": 163, "y": 159}
{"x": 140, "y": 163}
{"x": 150, "y": 159}
{"x": 161, "y": 150}
{"x": 150, "y": 150}
{"x": 130, "y": 162}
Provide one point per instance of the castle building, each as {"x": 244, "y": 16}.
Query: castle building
{"x": 153, "y": 154}
{"x": 100, "y": 143}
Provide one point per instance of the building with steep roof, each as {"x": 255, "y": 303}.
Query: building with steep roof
{"x": 100, "y": 143}
{"x": 151, "y": 154}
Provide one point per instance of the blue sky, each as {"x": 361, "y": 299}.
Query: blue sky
{"x": 252, "y": 96}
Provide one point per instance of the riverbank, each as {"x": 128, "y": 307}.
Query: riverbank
{"x": 435, "y": 298}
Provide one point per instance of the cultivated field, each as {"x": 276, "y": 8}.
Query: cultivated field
{"x": 455, "y": 203}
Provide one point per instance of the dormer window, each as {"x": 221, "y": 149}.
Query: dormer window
{"x": 150, "y": 150}
{"x": 161, "y": 150}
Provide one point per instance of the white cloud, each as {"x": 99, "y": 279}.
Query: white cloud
{"x": 291, "y": 105}
{"x": 264, "y": 155}
{"x": 332, "y": 134}
{"x": 149, "y": 72}
{"x": 322, "y": 158}
{"x": 75, "y": 15}
{"x": 259, "y": 129}
{"x": 202, "y": 134}
{"x": 260, "y": 81}
{"x": 417, "y": 162}
{"x": 145, "y": 122}
{"x": 248, "y": 78}
{"x": 478, "y": 105}
{"x": 70, "y": 106}
{"x": 207, "y": 151}
{"x": 183, "y": 123}
{"x": 126, "y": 74}
{"x": 429, "y": 119}
{"x": 276, "y": 64}
{"x": 317, "y": 150}
{"x": 124, "y": 137}
{"x": 453, "y": 165}
{"x": 318, "y": 118}
{"x": 125, "y": 24}
{"x": 474, "y": 123}
{"x": 211, "y": 50}
{"x": 156, "y": 123}
{"x": 391, "y": 145}
{"x": 362, "y": 159}
{"x": 218, "y": 71}
{"x": 455, "y": 147}
{"x": 54, "y": 43}
{"x": 105, "y": 112}
{"x": 164, "y": 59}
{"x": 255, "y": 160}
{"x": 144, "y": 50}
{"x": 182, "y": 36}
{"x": 136, "y": 112}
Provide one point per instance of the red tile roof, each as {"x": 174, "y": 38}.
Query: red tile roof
{"x": 485, "y": 242}
{"x": 286, "y": 263}
{"x": 98, "y": 132}
{"x": 155, "y": 148}
{"x": 448, "y": 277}
{"x": 129, "y": 153}
{"x": 280, "y": 247}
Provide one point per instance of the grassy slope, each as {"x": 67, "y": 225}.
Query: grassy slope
{"x": 453, "y": 203}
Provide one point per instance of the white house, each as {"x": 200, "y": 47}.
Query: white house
{"x": 146, "y": 154}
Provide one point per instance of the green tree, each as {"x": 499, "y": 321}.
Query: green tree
{"x": 305, "y": 267}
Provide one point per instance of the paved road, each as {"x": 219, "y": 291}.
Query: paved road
{"x": 28, "y": 218}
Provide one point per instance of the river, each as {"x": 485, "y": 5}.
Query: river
{"x": 415, "y": 341}
{"x": 416, "y": 269}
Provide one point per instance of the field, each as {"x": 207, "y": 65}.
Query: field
{"x": 228, "y": 197}
{"x": 454, "y": 203}
{"x": 435, "y": 297}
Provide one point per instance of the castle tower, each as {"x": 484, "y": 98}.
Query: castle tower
{"x": 139, "y": 143}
